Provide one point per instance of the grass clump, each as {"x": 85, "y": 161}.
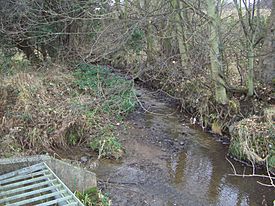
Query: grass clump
{"x": 107, "y": 145}
{"x": 115, "y": 94}
{"x": 93, "y": 197}
{"x": 36, "y": 110}
{"x": 253, "y": 139}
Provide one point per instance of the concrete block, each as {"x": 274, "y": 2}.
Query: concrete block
{"x": 75, "y": 178}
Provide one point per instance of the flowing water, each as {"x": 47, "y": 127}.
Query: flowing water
{"x": 171, "y": 162}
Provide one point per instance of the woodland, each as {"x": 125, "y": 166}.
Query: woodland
{"x": 69, "y": 68}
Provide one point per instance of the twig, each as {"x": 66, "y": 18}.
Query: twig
{"x": 101, "y": 149}
{"x": 231, "y": 165}
{"x": 253, "y": 174}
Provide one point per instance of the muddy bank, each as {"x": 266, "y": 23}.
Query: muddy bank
{"x": 170, "y": 162}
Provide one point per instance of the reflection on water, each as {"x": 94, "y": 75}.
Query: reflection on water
{"x": 202, "y": 171}
{"x": 197, "y": 174}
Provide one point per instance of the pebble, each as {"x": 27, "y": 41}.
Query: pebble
{"x": 84, "y": 159}
{"x": 181, "y": 143}
{"x": 94, "y": 164}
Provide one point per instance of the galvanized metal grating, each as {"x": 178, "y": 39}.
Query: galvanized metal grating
{"x": 35, "y": 185}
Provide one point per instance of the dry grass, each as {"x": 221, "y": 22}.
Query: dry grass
{"x": 38, "y": 112}
{"x": 41, "y": 112}
{"x": 254, "y": 139}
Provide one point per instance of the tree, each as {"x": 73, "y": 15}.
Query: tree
{"x": 268, "y": 60}
{"x": 180, "y": 34}
{"x": 250, "y": 23}
{"x": 215, "y": 51}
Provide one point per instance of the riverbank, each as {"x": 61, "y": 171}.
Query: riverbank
{"x": 80, "y": 116}
{"x": 248, "y": 123}
{"x": 172, "y": 162}
{"x": 45, "y": 111}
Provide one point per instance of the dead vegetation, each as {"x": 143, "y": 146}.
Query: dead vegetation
{"x": 42, "y": 111}
{"x": 253, "y": 139}
{"x": 40, "y": 116}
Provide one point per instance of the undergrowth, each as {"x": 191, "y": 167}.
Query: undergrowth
{"x": 40, "y": 112}
{"x": 253, "y": 139}
{"x": 116, "y": 95}
{"x": 116, "y": 98}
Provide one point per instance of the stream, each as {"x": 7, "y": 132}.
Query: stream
{"x": 169, "y": 162}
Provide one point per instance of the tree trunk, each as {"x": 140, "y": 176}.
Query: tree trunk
{"x": 145, "y": 5}
{"x": 268, "y": 59}
{"x": 180, "y": 34}
{"x": 215, "y": 53}
{"x": 250, "y": 78}
{"x": 118, "y": 8}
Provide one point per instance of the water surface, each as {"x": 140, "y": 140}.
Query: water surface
{"x": 170, "y": 162}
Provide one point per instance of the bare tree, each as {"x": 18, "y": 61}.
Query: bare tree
{"x": 213, "y": 7}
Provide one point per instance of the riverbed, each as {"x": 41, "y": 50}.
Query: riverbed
{"x": 169, "y": 161}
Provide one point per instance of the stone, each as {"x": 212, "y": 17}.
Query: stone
{"x": 84, "y": 159}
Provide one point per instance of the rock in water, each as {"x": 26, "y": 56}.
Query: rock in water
{"x": 84, "y": 159}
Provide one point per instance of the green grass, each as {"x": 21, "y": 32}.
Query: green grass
{"x": 114, "y": 98}
{"x": 93, "y": 197}
{"x": 107, "y": 145}
{"x": 115, "y": 94}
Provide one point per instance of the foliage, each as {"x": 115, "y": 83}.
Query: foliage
{"x": 93, "y": 197}
{"x": 107, "y": 145}
{"x": 12, "y": 61}
{"x": 73, "y": 136}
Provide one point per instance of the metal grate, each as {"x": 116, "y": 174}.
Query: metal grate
{"x": 35, "y": 185}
